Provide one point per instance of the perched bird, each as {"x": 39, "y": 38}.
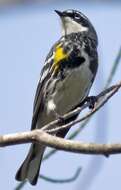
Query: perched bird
{"x": 65, "y": 82}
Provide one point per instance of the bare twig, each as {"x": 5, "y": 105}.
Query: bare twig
{"x": 114, "y": 68}
{"x": 42, "y": 137}
{"x": 66, "y": 116}
{"x": 110, "y": 91}
{"x": 71, "y": 179}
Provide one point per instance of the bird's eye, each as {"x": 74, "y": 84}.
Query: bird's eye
{"x": 77, "y": 16}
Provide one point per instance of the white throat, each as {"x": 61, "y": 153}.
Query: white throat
{"x": 70, "y": 26}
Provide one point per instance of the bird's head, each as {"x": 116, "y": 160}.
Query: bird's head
{"x": 74, "y": 21}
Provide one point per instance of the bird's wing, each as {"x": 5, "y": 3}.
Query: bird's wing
{"x": 46, "y": 72}
{"x": 38, "y": 100}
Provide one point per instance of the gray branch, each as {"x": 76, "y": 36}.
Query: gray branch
{"x": 42, "y": 137}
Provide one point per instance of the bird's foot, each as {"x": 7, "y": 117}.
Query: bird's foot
{"x": 92, "y": 100}
{"x": 59, "y": 117}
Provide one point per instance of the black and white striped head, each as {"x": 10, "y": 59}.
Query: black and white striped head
{"x": 74, "y": 21}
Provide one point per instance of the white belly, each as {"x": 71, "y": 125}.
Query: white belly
{"x": 71, "y": 91}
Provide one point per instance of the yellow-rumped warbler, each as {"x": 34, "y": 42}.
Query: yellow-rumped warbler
{"x": 65, "y": 81}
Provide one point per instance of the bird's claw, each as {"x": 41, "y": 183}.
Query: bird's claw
{"x": 59, "y": 117}
{"x": 92, "y": 100}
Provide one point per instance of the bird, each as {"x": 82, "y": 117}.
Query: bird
{"x": 65, "y": 82}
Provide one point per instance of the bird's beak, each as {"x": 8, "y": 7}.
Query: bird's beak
{"x": 59, "y": 13}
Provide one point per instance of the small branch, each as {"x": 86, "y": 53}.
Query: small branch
{"x": 49, "y": 127}
{"x": 104, "y": 96}
{"x": 114, "y": 68}
{"x": 50, "y": 153}
{"x": 42, "y": 137}
{"x": 71, "y": 179}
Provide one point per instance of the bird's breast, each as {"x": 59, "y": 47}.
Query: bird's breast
{"x": 72, "y": 90}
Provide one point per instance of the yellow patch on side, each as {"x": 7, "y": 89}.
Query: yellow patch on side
{"x": 59, "y": 55}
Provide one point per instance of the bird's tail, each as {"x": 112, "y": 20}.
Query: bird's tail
{"x": 31, "y": 165}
